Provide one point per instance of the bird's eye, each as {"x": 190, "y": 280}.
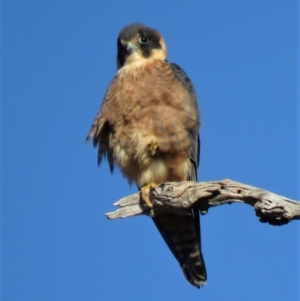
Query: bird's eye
{"x": 143, "y": 40}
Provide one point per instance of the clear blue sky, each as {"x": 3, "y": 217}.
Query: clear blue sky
{"x": 58, "y": 57}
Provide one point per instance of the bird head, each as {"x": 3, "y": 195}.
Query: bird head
{"x": 139, "y": 43}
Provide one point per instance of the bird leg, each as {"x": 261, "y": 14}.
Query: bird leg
{"x": 152, "y": 148}
{"x": 146, "y": 194}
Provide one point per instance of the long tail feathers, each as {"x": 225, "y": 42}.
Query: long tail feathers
{"x": 182, "y": 235}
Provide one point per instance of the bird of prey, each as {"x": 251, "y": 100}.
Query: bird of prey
{"x": 148, "y": 125}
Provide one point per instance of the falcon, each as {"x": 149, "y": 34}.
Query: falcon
{"x": 148, "y": 125}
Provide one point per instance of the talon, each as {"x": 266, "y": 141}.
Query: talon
{"x": 154, "y": 148}
{"x": 146, "y": 195}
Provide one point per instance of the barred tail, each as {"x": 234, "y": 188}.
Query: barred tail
{"x": 182, "y": 235}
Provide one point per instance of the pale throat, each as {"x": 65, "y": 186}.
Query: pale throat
{"x": 136, "y": 58}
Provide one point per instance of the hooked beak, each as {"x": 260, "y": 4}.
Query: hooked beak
{"x": 131, "y": 47}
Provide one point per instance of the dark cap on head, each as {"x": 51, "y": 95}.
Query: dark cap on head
{"x": 129, "y": 31}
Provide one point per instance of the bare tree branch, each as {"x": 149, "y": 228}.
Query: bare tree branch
{"x": 178, "y": 196}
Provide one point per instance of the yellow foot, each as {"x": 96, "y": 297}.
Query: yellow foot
{"x": 146, "y": 195}
{"x": 152, "y": 148}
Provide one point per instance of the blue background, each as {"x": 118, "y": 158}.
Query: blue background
{"x": 58, "y": 57}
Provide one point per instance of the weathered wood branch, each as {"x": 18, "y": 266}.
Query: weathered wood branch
{"x": 178, "y": 196}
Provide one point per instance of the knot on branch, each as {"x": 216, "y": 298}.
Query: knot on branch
{"x": 271, "y": 211}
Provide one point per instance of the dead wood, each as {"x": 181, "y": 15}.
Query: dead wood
{"x": 178, "y": 196}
